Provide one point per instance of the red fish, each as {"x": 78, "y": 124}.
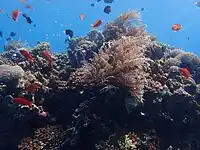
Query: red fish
{"x": 81, "y": 17}
{"x": 22, "y": 1}
{"x": 176, "y": 27}
{"x": 29, "y": 7}
{"x": 22, "y": 101}
{"x": 96, "y": 24}
{"x": 33, "y": 87}
{"x": 15, "y": 15}
{"x": 47, "y": 56}
{"x": 27, "y": 55}
{"x": 1, "y": 10}
{"x": 185, "y": 72}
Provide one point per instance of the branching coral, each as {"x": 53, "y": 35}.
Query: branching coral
{"x": 122, "y": 63}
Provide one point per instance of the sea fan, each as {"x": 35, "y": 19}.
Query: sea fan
{"x": 120, "y": 62}
{"x": 127, "y": 24}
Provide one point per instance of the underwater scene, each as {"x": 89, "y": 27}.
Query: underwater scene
{"x": 99, "y": 75}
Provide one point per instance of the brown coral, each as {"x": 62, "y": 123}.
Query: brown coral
{"x": 42, "y": 137}
{"x": 122, "y": 62}
{"x": 127, "y": 24}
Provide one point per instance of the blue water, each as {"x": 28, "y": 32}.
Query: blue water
{"x": 54, "y": 16}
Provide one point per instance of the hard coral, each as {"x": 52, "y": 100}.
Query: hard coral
{"x": 41, "y": 47}
{"x": 171, "y": 62}
{"x": 81, "y": 50}
{"x": 9, "y": 73}
{"x": 156, "y": 51}
{"x": 13, "y": 55}
{"x": 97, "y": 37}
{"x": 189, "y": 60}
{"x": 4, "y": 60}
{"x": 171, "y": 53}
{"x": 42, "y": 139}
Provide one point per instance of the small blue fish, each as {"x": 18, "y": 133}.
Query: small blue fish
{"x": 108, "y": 1}
{"x": 197, "y": 3}
{"x": 142, "y": 9}
{"x": 1, "y": 34}
{"x": 28, "y": 19}
{"x": 107, "y": 9}
{"x": 69, "y": 32}
{"x": 12, "y": 34}
{"x": 8, "y": 39}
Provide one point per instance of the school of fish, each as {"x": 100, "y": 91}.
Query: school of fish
{"x": 98, "y": 22}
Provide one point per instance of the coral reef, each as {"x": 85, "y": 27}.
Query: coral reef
{"x": 119, "y": 89}
{"x": 40, "y": 47}
{"x": 83, "y": 49}
{"x": 42, "y": 137}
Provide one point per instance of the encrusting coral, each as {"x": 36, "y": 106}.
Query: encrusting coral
{"x": 116, "y": 89}
{"x": 9, "y": 74}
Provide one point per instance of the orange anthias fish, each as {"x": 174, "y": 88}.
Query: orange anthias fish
{"x": 22, "y": 101}
{"x": 22, "y": 1}
{"x": 15, "y": 14}
{"x": 176, "y": 27}
{"x": 29, "y": 7}
{"x": 27, "y": 55}
{"x": 185, "y": 72}
{"x": 33, "y": 87}
{"x": 96, "y": 24}
{"x": 47, "y": 56}
{"x": 81, "y": 17}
